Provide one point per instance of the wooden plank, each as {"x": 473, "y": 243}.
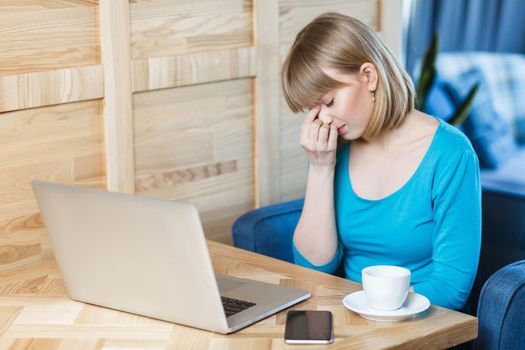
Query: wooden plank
{"x": 194, "y": 68}
{"x": 61, "y": 143}
{"x": 47, "y": 35}
{"x": 168, "y": 28}
{"x": 267, "y": 91}
{"x": 114, "y": 30}
{"x": 29, "y": 90}
{"x": 14, "y": 6}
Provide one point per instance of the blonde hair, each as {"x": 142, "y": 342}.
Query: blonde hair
{"x": 337, "y": 41}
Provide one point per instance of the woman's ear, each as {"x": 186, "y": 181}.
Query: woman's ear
{"x": 369, "y": 73}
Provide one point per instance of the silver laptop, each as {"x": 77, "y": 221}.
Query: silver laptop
{"x": 148, "y": 256}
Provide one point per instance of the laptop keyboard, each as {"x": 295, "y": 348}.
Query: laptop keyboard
{"x": 233, "y": 306}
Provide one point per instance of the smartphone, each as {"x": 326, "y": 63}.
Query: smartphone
{"x": 308, "y": 327}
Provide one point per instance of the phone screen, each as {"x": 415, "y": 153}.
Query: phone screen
{"x": 308, "y": 327}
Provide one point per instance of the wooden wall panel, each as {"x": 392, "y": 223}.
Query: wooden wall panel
{"x": 49, "y": 55}
{"x": 29, "y": 90}
{"x": 193, "y": 68}
{"x": 168, "y": 28}
{"x": 61, "y": 143}
{"x": 195, "y": 144}
{"x": 47, "y": 35}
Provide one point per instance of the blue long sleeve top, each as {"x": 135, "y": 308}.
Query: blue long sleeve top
{"x": 431, "y": 225}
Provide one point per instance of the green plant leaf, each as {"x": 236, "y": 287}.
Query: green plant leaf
{"x": 427, "y": 72}
{"x": 463, "y": 110}
{"x": 429, "y": 77}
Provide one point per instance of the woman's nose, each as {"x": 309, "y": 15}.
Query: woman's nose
{"x": 325, "y": 117}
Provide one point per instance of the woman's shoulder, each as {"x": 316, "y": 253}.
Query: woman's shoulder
{"x": 449, "y": 146}
{"x": 451, "y": 140}
{"x": 453, "y": 151}
{"x": 446, "y": 138}
{"x": 442, "y": 138}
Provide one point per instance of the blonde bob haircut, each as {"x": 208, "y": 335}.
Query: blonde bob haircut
{"x": 341, "y": 42}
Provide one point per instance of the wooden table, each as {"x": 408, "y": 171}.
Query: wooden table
{"x": 35, "y": 312}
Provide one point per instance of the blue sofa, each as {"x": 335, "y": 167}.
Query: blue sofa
{"x": 496, "y": 128}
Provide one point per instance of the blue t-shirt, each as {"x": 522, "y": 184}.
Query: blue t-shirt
{"x": 431, "y": 225}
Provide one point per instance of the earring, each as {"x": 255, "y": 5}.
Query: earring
{"x": 373, "y": 93}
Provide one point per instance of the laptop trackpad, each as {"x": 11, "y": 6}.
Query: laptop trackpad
{"x": 226, "y": 283}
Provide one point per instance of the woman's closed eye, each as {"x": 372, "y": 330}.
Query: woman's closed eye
{"x": 331, "y": 103}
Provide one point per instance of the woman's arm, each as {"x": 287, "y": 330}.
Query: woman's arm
{"x": 315, "y": 240}
{"x": 456, "y": 198}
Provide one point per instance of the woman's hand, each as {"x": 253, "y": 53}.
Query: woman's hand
{"x": 319, "y": 140}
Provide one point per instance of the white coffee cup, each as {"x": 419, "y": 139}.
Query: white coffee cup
{"x": 386, "y": 286}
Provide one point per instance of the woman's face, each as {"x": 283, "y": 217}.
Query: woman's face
{"x": 349, "y": 108}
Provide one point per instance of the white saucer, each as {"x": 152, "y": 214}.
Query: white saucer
{"x": 414, "y": 304}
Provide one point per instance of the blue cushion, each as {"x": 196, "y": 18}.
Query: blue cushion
{"x": 505, "y": 77}
{"x": 439, "y": 103}
{"x": 490, "y": 135}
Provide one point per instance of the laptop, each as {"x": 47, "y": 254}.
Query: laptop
{"x": 148, "y": 256}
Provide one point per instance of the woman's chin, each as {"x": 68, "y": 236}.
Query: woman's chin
{"x": 349, "y": 136}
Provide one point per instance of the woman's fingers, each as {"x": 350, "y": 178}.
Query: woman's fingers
{"x": 313, "y": 132}
{"x": 322, "y": 140}
{"x": 318, "y": 139}
{"x": 308, "y": 121}
{"x": 312, "y": 114}
{"x": 332, "y": 139}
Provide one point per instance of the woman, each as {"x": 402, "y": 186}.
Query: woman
{"x": 387, "y": 184}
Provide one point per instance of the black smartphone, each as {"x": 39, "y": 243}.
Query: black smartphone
{"x": 308, "y": 327}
